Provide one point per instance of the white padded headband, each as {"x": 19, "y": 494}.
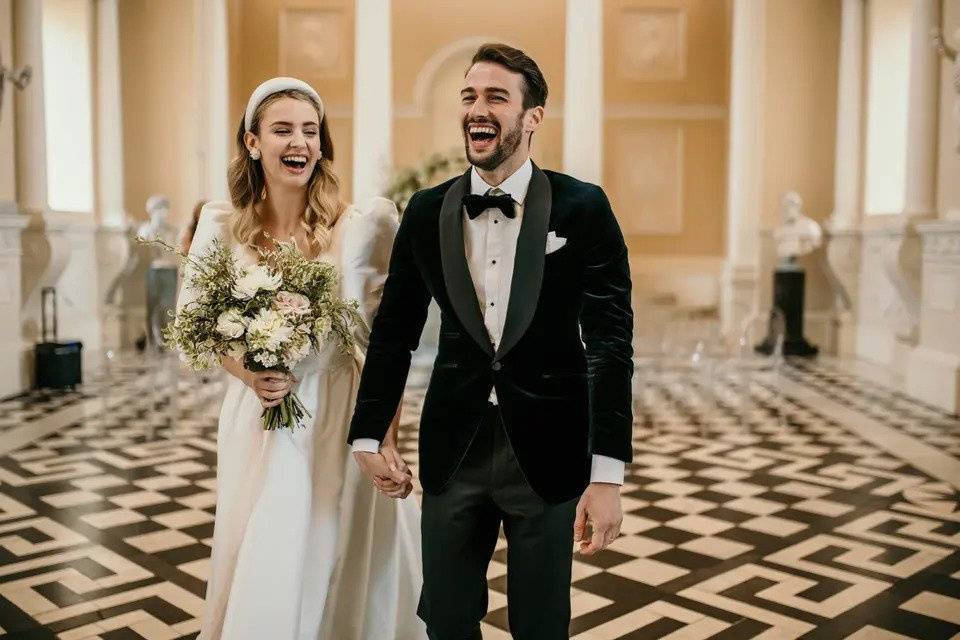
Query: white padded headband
{"x": 275, "y": 85}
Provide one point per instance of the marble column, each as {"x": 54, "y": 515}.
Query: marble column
{"x": 214, "y": 94}
{"x": 8, "y": 173}
{"x": 112, "y": 248}
{"x": 848, "y": 169}
{"x": 372, "y": 100}
{"x": 745, "y": 161}
{"x": 843, "y": 245}
{"x": 31, "y": 152}
{"x": 923, "y": 96}
{"x": 109, "y": 116}
{"x": 11, "y": 223}
{"x": 583, "y": 91}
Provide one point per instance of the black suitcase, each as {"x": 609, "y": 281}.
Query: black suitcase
{"x": 58, "y": 364}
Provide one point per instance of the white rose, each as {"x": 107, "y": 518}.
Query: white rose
{"x": 292, "y": 304}
{"x": 230, "y": 324}
{"x": 253, "y": 279}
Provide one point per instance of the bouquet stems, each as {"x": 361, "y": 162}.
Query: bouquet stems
{"x": 289, "y": 414}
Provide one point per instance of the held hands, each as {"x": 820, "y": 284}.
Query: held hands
{"x": 387, "y": 470}
{"x": 599, "y": 511}
{"x": 270, "y": 386}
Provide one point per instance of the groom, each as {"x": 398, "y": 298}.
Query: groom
{"x": 527, "y": 419}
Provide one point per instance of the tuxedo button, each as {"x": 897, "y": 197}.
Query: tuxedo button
{"x": 497, "y": 366}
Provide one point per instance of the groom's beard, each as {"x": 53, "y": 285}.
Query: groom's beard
{"x": 509, "y": 141}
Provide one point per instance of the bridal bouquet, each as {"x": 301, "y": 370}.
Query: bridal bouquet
{"x": 270, "y": 315}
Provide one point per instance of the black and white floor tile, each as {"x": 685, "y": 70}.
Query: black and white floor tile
{"x": 765, "y": 519}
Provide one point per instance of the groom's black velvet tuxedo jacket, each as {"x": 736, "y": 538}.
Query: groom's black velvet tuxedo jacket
{"x": 562, "y": 399}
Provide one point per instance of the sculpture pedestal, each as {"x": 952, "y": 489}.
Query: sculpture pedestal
{"x": 788, "y": 296}
{"x": 161, "y": 301}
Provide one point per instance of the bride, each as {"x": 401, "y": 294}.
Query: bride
{"x": 303, "y": 547}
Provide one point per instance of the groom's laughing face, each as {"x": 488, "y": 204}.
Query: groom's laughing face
{"x": 493, "y": 116}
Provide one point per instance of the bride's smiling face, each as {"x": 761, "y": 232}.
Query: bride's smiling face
{"x": 288, "y": 142}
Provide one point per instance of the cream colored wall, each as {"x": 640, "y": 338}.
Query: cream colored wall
{"x": 666, "y": 81}
{"x": 802, "y": 55}
{"x": 665, "y": 127}
{"x": 160, "y": 120}
{"x": 8, "y": 178}
{"x": 313, "y": 41}
{"x": 948, "y": 183}
{"x": 432, "y": 45}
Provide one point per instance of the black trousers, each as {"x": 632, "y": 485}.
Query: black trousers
{"x": 460, "y": 528}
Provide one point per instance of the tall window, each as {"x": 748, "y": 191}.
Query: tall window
{"x": 888, "y": 85}
{"x": 68, "y": 99}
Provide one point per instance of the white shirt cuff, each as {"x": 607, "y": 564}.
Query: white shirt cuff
{"x": 367, "y": 445}
{"x": 607, "y": 469}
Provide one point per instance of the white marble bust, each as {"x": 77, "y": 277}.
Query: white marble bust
{"x": 797, "y": 234}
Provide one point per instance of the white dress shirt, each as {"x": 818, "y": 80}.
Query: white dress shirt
{"x": 490, "y": 245}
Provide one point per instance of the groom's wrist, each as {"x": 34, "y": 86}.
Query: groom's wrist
{"x": 607, "y": 470}
{"x": 366, "y": 445}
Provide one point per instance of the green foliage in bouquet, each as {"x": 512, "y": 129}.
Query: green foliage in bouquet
{"x": 432, "y": 171}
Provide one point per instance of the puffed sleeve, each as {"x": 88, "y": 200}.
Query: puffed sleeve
{"x": 212, "y": 224}
{"x": 367, "y": 244}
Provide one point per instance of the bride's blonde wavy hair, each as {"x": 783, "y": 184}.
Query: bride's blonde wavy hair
{"x": 247, "y": 183}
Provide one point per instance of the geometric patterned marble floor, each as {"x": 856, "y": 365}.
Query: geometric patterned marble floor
{"x": 756, "y": 507}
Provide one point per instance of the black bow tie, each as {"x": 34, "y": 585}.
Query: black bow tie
{"x": 478, "y": 204}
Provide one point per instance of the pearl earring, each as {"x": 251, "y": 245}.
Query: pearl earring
{"x": 255, "y": 154}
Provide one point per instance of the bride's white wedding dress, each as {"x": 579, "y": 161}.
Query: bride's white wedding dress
{"x": 304, "y": 548}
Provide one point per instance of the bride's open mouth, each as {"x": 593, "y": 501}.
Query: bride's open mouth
{"x": 294, "y": 163}
{"x": 482, "y": 136}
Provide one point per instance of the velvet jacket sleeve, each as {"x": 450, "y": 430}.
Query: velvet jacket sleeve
{"x": 606, "y": 322}
{"x": 394, "y": 335}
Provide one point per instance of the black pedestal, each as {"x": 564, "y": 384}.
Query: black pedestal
{"x": 788, "y": 294}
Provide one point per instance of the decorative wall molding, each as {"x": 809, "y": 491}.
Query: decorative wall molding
{"x": 313, "y": 42}
{"x": 652, "y": 182}
{"x": 652, "y": 44}
{"x": 627, "y": 111}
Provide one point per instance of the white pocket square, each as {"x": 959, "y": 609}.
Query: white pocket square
{"x": 554, "y": 242}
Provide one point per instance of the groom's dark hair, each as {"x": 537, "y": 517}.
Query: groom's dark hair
{"x": 534, "y": 84}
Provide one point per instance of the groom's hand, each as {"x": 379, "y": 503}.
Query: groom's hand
{"x": 383, "y": 471}
{"x": 600, "y": 507}
{"x": 372, "y": 465}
